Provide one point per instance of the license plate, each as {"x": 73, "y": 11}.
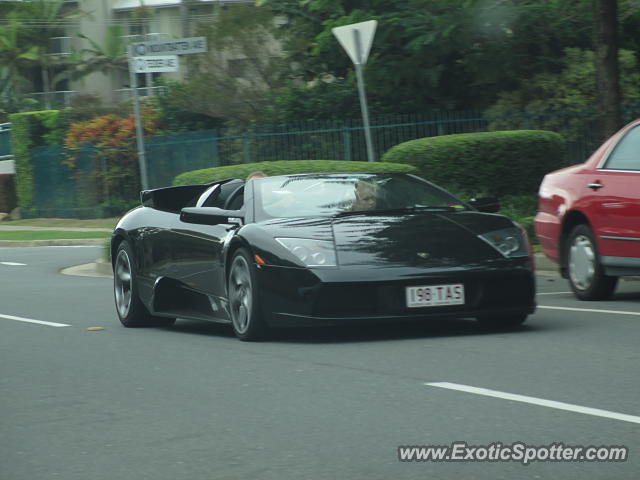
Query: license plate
{"x": 435, "y": 295}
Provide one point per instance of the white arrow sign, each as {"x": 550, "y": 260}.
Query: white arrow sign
{"x": 164, "y": 63}
{"x": 356, "y": 39}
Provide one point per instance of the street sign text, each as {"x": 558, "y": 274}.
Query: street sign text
{"x": 165, "y": 63}
{"x": 179, "y": 46}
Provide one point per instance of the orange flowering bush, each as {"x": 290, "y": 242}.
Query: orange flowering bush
{"x": 102, "y": 153}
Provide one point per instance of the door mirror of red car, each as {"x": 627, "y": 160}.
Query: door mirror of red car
{"x": 485, "y": 204}
{"x": 211, "y": 216}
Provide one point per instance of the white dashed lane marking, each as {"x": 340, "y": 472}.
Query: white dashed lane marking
{"x": 31, "y": 320}
{"x": 590, "y": 310}
{"x": 536, "y": 401}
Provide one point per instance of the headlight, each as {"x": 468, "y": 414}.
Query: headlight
{"x": 313, "y": 253}
{"x": 510, "y": 242}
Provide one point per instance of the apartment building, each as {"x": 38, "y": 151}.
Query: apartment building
{"x": 141, "y": 20}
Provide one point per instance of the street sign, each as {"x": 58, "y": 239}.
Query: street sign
{"x": 356, "y": 39}
{"x": 179, "y": 46}
{"x": 146, "y": 57}
{"x": 165, "y": 63}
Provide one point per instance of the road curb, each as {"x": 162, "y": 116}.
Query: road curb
{"x": 99, "y": 268}
{"x": 543, "y": 264}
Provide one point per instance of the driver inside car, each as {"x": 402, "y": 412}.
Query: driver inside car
{"x": 366, "y": 196}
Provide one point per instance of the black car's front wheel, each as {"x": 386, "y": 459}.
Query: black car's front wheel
{"x": 585, "y": 272}
{"x": 246, "y": 318}
{"x": 131, "y": 311}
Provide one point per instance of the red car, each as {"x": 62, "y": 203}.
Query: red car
{"x": 588, "y": 217}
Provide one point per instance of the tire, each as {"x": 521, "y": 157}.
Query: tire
{"x": 246, "y": 316}
{"x": 502, "y": 321}
{"x": 584, "y": 270}
{"x": 131, "y": 311}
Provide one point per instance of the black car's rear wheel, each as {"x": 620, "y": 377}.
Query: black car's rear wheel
{"x": 585, "y": 272}
{"x": 131, "y": 311}
{"x": 246, "y": 318}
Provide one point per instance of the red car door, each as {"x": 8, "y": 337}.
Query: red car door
{"x": 612, "y": 197}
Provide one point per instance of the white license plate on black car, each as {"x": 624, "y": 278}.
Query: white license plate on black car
{"x": 435, "y": 295}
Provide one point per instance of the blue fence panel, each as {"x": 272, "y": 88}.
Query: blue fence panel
{"x": 5, "y": 143}
{"x": 60, "y": 191}
{"x": 170, "y": 155}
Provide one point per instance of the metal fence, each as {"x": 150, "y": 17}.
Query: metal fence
{"x": 345, "y": 140}
{"x": 93, "y": 184}
{"x": 88, "y": 189}
{"x": 5, "y": 140}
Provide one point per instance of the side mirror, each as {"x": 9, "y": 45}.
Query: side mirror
{"x": 485, "y": 204}
{"x": 211, "y": 216}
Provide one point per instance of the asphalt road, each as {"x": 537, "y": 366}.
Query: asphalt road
{"x": 192, "y": 402}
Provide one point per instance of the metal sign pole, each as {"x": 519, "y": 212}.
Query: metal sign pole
{"x": 363, "y": 97}
{"x": 139, "y": 130}
{"x": 356, "y": 39}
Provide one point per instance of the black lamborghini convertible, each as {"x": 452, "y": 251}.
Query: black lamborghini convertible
{"x": 318, "y": 249}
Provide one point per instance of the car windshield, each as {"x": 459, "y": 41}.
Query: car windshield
{"x": 336, "y": 194}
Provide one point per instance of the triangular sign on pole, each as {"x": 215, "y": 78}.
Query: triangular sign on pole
{"x": 356, "y": 39}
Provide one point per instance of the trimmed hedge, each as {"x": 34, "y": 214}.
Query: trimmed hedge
{"x": 28, "y": 130}
{"x": 286, "y": 167}
{"x": 487, "y": 163}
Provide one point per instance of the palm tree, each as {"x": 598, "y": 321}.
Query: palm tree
{"x": 104, "y": 58}
{"x": 39, "y": 21}
{"x": 15, "y": 57}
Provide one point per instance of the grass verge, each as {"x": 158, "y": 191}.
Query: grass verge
{"x": 64, "y": 222}
{"x": 20, "y": 235}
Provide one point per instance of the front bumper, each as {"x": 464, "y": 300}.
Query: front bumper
{"x": 296, "y": 296}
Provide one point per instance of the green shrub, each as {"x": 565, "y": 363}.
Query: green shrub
{"x": 28, "y": 130}
{"x": 522, "y": 209}
{"x": 285, "y": 167}
{"x": 486, "y": 163}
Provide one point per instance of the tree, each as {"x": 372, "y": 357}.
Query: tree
{"x": 243, "y": 69}
{"x": 15, "y": 58}
{"x": 40, "y": 21}
{"x": 436, "y": 54}
{"x": 605, "y": 45}
{"x": 103, "y": 58}
{"x": 561, "y": 101}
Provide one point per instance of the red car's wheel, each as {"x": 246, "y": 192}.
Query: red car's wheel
{"x": 585, "y": 272}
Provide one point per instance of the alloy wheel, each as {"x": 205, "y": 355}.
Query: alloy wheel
{"x": 240, "y": 294}
{"x": 122, "y": 283}
{"x": 582, "y": 262}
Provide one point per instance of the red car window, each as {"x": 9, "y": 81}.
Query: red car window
{"x": 625, "y": 154}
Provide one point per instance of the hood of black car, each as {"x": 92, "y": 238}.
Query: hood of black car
{"x": 428, "y": 240}
{"x": 415, "y": 239}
